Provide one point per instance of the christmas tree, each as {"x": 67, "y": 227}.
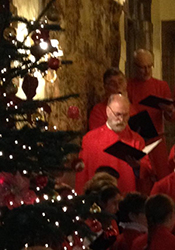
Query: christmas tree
{"x": 34, "y": 209}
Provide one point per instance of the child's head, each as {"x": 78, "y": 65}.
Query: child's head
{"x": 132, "y": 208}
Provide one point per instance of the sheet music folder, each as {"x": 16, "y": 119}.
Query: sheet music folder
{"x": 143, "y": 125}
{"x": 121, "y": 150}
{"x": 154, "y": 101}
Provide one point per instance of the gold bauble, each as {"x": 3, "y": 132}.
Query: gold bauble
{"x": 95, "y": 209}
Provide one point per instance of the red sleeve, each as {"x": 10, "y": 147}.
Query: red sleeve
{"x": 155, "y": 189}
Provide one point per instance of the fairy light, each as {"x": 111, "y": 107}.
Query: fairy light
{"x": 0, "y": 135}
{"x": 24, "y": 171}
{"x": 57, "y": 223}
{"x": 29, "y": 148}
{"x": 64, "y": 209}
{"x": 46, "y": 128}
{"x": 52, "y": 201}
{"x": 65, "y": 248}
{"x": 43, "y": 45}
{"x": 16, "y": 142}
{"x": 11, "y": 157}
{"x": 22, "y": 202}
{"x": 38, "y": 188}
{"x": 43, "y": 214}
{"x": 47, "y": 245}
{"x": 76, "y": 232}
{"x": 45, "y": 196}
{"x": 77, "y": 218}
{"x": 55, "y": 127}
{"x": 1, "y": 153}
{"x": 4, "y": 94}
{"x": 71, "y": 244}
{"x": 58, "y": 198}
{"x": 37, "y": 200}
{"x": 70, "y": 197}
{"x": 26, "y": 245}
{"x": 83, "y": 201}
{"x": 7, "y": 119}
{"x": 11, "y": 203}
{"x": 24, "y": 146}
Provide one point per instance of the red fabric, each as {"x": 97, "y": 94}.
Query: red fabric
{"x": 93, "y": 155}
{"x": 171, "y": 159}
{"x": 162, "y": 239}
{"x": 138, "y": 90}
{"x": 125, "y": 240}
{"x": 98, "y": 115}
{"x": 165, "y": 186}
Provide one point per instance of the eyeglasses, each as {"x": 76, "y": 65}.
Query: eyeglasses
{"x": 117, "y": 114}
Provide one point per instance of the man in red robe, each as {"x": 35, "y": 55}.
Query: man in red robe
{"x": 141, "y": 87}
{"x": 96, "y": 141}
{"x": 114, "y": 82}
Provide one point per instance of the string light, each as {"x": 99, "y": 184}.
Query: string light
{"x": 24, "y": 171}
{"x": 1, "y": 153}
{"x": 37, "y": 200}
{"x": 45, "y": 196}
{"x": 64, "y": 209}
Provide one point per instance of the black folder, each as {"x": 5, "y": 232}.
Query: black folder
{"x": 154, "y": 101}
{"x": 142, "y": 124}
{"x": 121, "y": 150}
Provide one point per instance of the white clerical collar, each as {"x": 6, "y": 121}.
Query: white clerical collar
{"x": 107, "y": 124}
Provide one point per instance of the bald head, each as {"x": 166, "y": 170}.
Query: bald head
{"x": 143, "y": 62}
{"x": 118, "y": 112}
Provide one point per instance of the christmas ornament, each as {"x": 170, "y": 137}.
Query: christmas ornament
{"x": 110, "y": 233}
{"x": 73, "y": 112}
{"x": 14, "y": 190}
{"x": 41, "y": 181}
{"x": 95, "y": 209}
{"x": 94, "y": 225}
{"x": 53, "y": 14}
{"x": 29, "y": 86}
{"x": 77, "y": 165}
{"x": 39, "y": 35}
{"x": 54, "y": 63}
{"x": 9, "y": 34}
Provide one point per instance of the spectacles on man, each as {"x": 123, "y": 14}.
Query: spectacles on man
{"x": 117, "y": 114}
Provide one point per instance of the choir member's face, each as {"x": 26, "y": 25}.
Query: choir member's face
{"x": 111, "y": 205}
{"x": 115, "y": 84}
{"x": 143, "y": 66}
{"x": 118, "y": 115}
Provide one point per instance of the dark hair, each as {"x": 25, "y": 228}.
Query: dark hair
{"x": 111, "y": 72}
{"x": 132, "y": 203}
{"x": 109, "y": 170}
{"x": 157, "y": 209}
{"x": 108, "y": 192}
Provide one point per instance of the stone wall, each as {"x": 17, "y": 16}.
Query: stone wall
{"x": 91, "y": 40}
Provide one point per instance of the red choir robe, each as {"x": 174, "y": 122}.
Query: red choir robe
{"x": 138, "y": 90}
{"x": 93, "y": 156}
{"x": 162, "y": 239}
{"x": 98, "y": 116}
{"x": 126, "y": 238}
{"x": 171, "y": 158}
{"x": 165, "y": 186}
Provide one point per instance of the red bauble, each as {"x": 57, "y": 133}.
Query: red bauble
{"x": 110, "y": 233}
{"x": 29, "y": 86}
{"x": 77, "y": 165}
{"x": 54, "y": 63}
{"x": 96, "y": 226}
{"x": 73, "y": 112}
{"x": 39, "y": 35}
{"x": 41, "y": 181}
